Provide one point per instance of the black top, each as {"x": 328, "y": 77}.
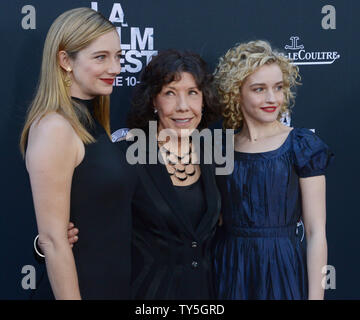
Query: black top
{"x": 101, "y": 194}
{"x": 193, "y": 200}
{"x": 172, "y": 258}
{"x": 100, "y": 207}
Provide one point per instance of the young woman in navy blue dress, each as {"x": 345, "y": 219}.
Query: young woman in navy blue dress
{"x": 278, "y": 180}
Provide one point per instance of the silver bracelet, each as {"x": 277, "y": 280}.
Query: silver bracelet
{"x": 36, "y": 248}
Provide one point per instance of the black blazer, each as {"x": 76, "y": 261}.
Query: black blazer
{"x": 170, "y": 258}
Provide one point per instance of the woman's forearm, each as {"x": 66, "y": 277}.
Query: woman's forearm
{"x": 61, "y": 268}
{"x": 316, "y": 260}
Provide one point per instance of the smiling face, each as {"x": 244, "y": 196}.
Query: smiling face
{"x": 95, "y": 67}
{"x": 262, "y": 94}
{"x": 179, "y": 105}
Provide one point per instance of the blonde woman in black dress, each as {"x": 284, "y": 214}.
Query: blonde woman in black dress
{"x": 76, "y": 172}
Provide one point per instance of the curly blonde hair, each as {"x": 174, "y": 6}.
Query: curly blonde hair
{"x": 241, "y": 61}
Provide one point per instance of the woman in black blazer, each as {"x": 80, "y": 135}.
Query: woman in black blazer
{"x": 176, "y": 207}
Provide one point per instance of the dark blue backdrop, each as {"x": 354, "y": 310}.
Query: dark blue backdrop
{"x": 327, "y": 101}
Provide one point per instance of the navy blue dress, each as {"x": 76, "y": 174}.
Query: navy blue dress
{"x": 258, "y": 251}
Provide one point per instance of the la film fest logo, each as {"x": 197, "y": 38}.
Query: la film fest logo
{"x": 137, "y": 44}
{"x": 300, "y": 56}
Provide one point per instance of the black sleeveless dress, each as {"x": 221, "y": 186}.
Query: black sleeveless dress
{"x": 100, "y": 208}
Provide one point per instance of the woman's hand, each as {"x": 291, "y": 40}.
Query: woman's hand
{"x": 72, "y": 234}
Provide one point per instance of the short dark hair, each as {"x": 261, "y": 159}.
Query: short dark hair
{"x": 163, "y": 69}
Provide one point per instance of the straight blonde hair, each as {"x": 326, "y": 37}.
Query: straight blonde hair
{"x": 72, "y": 31}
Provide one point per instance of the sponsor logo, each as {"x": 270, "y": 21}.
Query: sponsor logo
{"x": 137, "y": 44}
{"x": 300, "y": 56}
{"x": 286, "y": 119}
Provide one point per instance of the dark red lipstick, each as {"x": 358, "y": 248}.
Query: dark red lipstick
{"x": 269, "y": 109}
{"x": 108, "y": 80}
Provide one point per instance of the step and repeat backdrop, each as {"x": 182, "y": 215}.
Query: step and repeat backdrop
{"x": 321, "y": 36}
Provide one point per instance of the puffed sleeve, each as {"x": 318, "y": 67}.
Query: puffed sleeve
{"x": 312, "y": 155}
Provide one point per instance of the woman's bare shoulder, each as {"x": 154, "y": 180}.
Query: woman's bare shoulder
{"x": 51, "y": 123}
{"x": 52, "y": 136}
